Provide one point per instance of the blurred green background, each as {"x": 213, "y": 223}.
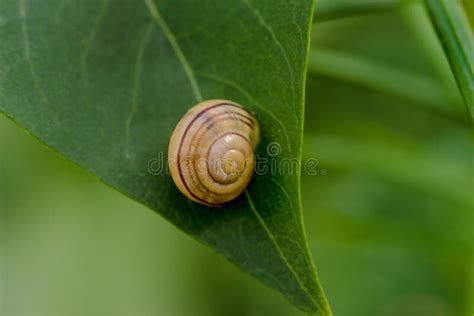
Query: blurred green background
{"x": 390, "y": 216}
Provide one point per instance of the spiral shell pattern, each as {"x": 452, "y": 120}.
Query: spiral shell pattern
{"x": 211, "y": 154}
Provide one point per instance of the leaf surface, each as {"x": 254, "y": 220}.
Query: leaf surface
{"x": 105, "y": 82}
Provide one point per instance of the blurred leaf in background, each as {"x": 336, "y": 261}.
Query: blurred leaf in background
{"x": 391, "y": 210}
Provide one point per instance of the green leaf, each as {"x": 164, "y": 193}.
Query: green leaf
{"x": 418, "y": 21}
{"x": 335, "y": 9}
{"x": 457, "y": 38}
{"x": 105, "y": 82}
{"x": 379, "y": 76}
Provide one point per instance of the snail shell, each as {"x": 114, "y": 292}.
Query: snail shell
{"x": 211, "y": 155}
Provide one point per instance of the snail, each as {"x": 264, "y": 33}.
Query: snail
{"x": 211, "y": 154}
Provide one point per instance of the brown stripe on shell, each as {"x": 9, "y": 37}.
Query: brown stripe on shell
{"x": 200, "y": 132}
{"x": 213, "y": 120}
{"x": 194, "y": 142}
{"x": 198, "y": 115}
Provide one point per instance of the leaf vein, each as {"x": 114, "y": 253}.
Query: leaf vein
{"x": 26, "y": 44}
{"x": 275, "y": 39}
{"x": 92, "y": 34}
{"x": 135, "y": 86}
{"x": 287, "y": 195}
{"x": 246, "y": 94}
{"x": 156, "y": 15}
{"x": 278, "y": 249}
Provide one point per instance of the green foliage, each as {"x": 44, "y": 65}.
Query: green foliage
{"x": 458, "y": 40}
{"x": 379, "y": 77}
{"x": 334, "y": 9}
{"x": 393, "y": 199}
{"x": 105, "y": 82}
{"x": 389, "y": 212}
